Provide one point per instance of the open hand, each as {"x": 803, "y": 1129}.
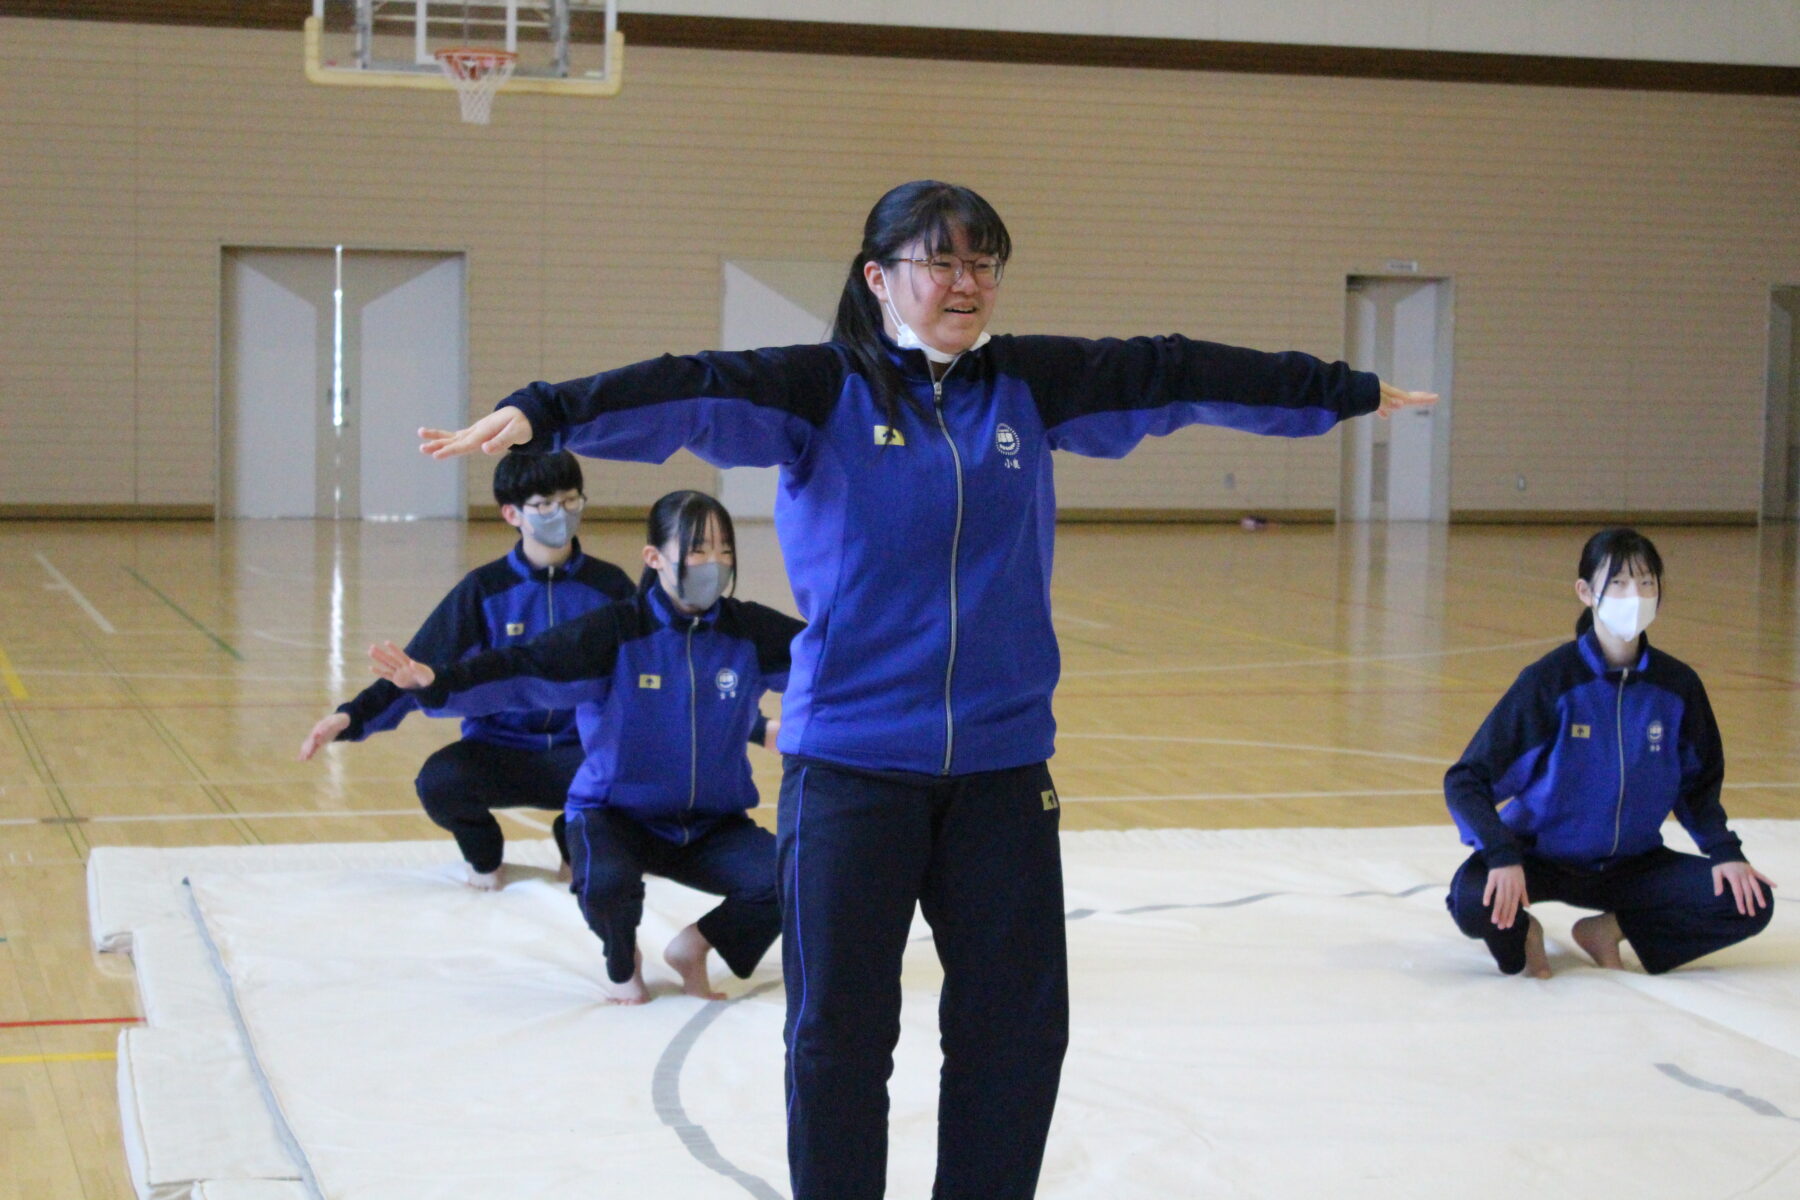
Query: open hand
{"x": 1393, "y": 399}
{"x": 495, "y": 433}
{"x": 1506, "y": 892}
{"x": 325, "y": 731}
{"x": 391, "y": 663}
{"x": 1746, "y": 883}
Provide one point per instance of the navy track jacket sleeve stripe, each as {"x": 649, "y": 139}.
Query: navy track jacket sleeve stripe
{"x": 1499, "y": 761}
{"x": 1699, "y": 808}
{"x": 455, "y": 628}
{"x": 1102, "y": 397}
{"x": 732, "y": 408}
{"x": 568, "y": 665}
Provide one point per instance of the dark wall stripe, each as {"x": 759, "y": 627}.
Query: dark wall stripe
{"x": 1057, "y": 49}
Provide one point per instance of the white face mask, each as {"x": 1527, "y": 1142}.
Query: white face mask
{"x": 906, "y": 339}
{"x": 1626, "y": 616}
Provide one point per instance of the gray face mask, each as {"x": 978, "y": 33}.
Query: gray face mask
{"x": 553, "y": 529}
{"x": 704, "y": 584}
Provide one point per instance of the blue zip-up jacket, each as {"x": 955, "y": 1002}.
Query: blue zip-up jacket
{"x": 1593, "y": 759}
{"x": 922, "y": 562}
{"x": 665, "y": 702}
{"x": 499, "y": 604}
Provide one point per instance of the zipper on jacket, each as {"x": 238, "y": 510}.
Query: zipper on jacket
{"x": 1619, "y": 727}
{"x": 550, "y": 599}
{"x": 937, "y": 401}
{"x": 693, "y": 730}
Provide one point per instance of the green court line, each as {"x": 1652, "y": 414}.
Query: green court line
{"x": 218, "y": 641}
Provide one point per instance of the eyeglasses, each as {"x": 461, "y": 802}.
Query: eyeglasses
{"x": 947, "y": 271}
{"x": 544, "y": 508}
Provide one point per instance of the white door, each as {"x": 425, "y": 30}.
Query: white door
{"x": 772, "y": 303}
{"x": 1781, "y": 422}
{"x": 1399, "y": 470}
{"x": 330, "y": 362}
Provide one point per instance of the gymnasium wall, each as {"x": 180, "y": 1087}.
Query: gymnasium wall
{"x": 1612, "y": 251}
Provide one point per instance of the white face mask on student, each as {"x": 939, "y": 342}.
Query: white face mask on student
{"x": 703, "y": 585}
{"x": 1626, "y": 616}
{"x": 906, "y": 339}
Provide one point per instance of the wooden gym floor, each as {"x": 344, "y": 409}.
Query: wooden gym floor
{"x": 156, "y": 680}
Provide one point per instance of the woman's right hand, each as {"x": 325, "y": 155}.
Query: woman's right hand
{"x": 392, "y": 664}
{"x": 1506, "y": 892}
{"x": 325, "y": 731}
{"x": 495, "y": 433}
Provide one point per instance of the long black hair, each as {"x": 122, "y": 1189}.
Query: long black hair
{"x": 1614, "y": 551}
{"x": 923, "y": 211}
{"x": 680, "y": 518}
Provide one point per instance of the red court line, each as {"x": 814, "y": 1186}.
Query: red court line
{"x": 81, "y": 1021}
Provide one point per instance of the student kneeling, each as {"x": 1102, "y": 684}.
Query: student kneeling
{"x": 1594, "y": 746}
{"x": 665, "y": 687}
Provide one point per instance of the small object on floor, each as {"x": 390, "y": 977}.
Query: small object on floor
{"x": 1253, "y": 523}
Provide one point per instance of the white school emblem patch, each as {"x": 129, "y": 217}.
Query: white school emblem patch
{"x": 1655, "y": 733}
{"x": 728, "y": 682}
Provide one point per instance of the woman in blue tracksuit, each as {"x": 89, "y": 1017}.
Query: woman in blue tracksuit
{"x": 916, "y": 514}
{"x": 665, "y": 689}
{"x": 1592, "y": 748}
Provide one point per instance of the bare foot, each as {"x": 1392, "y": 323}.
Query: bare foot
{"x": 632, "y": 991}
{"x": 687, "y": 955}
{"x": 492, "y": 881}
{"x": 1600, "y": 937}
{"x": 1537, "y": 963}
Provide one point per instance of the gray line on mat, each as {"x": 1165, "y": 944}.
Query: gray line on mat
{"x": 282, "y": 1129}
{"x": 665, "y": 1093}
{"x": 1755, "y": 1104}
{"x": 1082, "y": 914}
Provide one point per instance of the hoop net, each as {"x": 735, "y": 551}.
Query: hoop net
{"x": 477, "y": 75}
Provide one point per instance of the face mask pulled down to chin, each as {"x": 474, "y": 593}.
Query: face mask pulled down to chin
{"x": 906, "y": 339}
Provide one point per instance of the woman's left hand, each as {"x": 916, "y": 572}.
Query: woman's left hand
{"x": 1394, "y": 399}
{"x": 1747, "y": 885}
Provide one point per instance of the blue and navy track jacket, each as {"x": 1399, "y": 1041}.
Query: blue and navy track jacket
{"x": 503, "y": 602}
{"x": 1593, "y": 759}
{"x": 665, "y": 702}
{"x": 922, "y": 564}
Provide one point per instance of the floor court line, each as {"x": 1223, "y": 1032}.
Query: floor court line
{"x": 128, "y": 819}
{"x": 74, "y": 1021}
{"x": 62, "y": 584}
{"x": 96, "y": 1056}
{"x": 218, "y": 641}
{"x": 14, "y": 684}
{"x": 1347, "y": 660}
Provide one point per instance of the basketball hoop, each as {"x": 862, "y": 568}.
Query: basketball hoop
{"x": 477, "y": 75}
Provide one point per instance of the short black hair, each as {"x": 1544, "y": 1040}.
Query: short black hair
{"x": 519, "y": 477}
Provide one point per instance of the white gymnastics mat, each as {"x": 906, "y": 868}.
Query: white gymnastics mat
{"x": 1257, "y": 1014}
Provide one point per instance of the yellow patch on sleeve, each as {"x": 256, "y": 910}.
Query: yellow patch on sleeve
{"x": 650, "y": 681}
{"x": 1581, "y": 731}
{"x": 888, "y": 436}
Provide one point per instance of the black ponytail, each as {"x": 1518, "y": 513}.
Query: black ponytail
{"x": 924, "y": 211}
{"x": 681, "y": 518}
{"x": 1612, "y": 551}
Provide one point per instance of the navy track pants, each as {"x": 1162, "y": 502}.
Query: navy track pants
{"x": 461, "y": 785}
{"x": 979, "y": 855}
{"x": 1664, "y": 901}
{"x": 734, "y": 857}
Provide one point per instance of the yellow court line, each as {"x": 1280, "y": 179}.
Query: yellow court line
{"x": 44, "y": 1058}
{"x": 13, "y": 683}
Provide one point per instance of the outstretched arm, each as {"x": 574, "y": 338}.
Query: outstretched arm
{"x": 732, "y": 408}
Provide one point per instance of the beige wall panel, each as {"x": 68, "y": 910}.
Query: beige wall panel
{"x": 1611, "y": 251}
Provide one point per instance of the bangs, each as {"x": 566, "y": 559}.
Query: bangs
{"x": 939, "y": 211}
